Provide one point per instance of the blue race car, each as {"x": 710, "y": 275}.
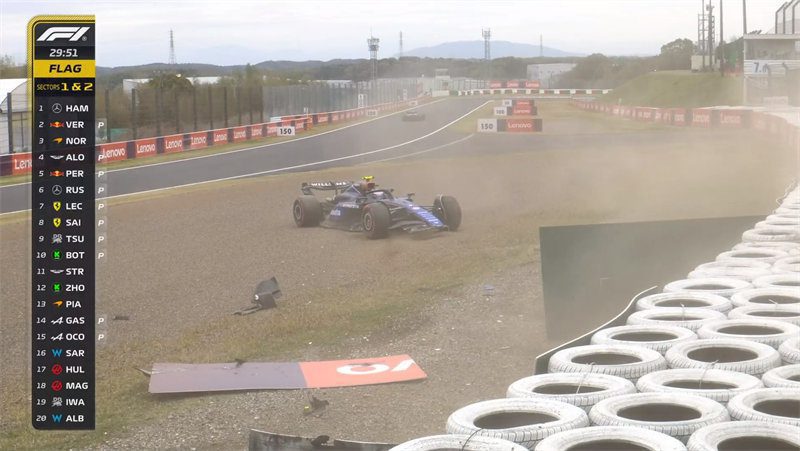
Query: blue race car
{"x": 363, "y": 207}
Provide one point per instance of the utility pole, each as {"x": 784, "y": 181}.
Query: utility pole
{"x": 721, "y": 41}
{"x": 172, "y": 60}
{"x": 487, "y": 50}
{"x": 400, "y": 52}
{"x": 744, "y": 17}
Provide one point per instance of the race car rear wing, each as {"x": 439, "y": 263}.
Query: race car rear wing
{"x": 306, "y": 187}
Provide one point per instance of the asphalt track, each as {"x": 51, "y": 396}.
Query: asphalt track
{"x": 379, "y": 139}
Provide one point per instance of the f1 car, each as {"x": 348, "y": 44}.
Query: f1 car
{"x": 363, "y": 207}
{"x": 413, "y": 115}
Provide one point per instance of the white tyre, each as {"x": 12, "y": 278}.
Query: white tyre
{"x": 753, "y": 253}
{"x": 786, "y": 246}
{"x": 743, "y": 356}
{"x": 630, "y": 362}
{"x": 723, "y": 286}
{"x": 684, "y": 300}
{"x": 787, "y": 280}
{"x": 787, "y": 376}
{"x": 675, "y": 414}
{"x": 583, "y": 390}
{"x": 767, "y": 331}
{"x": 788, "y": 224}
{"x": 771, "y": 405}
{"x": 610, "y": 438}
{"x": 790, "y": 351}
{"x": 745, "y": 435}
{"x": 524, "y": 421}
{"x": 719, "y": 385}
{"x": 789, "y": 313}
{"x": 657, "y": 338}
{"x": 789, "y": 264}
{"x": 735, "y": 263}
{"x": 732, "y": 272}
{"x": 465, "y": 442}
{"x": 689, "y": 318}
{"x": 767, "y": 296}
{"x": 755, "y": 235}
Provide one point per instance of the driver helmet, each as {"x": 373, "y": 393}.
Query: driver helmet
{"x": 366, "y": 184}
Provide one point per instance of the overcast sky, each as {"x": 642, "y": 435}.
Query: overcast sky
{"x": 242, "y": 31}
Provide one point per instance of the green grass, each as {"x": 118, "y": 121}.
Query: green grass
{"x": 678, "y": 89}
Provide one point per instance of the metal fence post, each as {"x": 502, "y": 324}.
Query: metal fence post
{"x": 261, "y": 104}
{"x": 194, "y": 107}
{"x": 225, "y": 104}
{"x": 250, "y": 102}
{"x": 108, "y": 117}
{"x": 10, "y": 111}
{"x": 210, "y": 109}
{"x": 238, "y": 94}
{"x": 177, "y": 112}
{"x": 133, "y": 113}
{"x": 157, "y": 92}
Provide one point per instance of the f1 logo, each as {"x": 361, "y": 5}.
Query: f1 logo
{"x": 70, "y": 33}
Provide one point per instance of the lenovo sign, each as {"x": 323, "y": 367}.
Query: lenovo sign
{"x": 173, "y": 143}
{"x": 145, "y": 147}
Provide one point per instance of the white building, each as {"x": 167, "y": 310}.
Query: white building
{"x": 548, "y": 74}
{"x": 20, "y": 126}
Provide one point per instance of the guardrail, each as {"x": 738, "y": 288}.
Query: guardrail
{"x": 529, "y": 91}
{"x": 21, "y": 163}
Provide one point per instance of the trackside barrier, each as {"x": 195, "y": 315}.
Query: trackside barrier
{"x": 510, "y": 125}
{"x": 21, "y": 163}
{"x": 496, "y": 88}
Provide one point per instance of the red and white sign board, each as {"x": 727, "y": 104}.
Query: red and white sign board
{"x": 521, "y": 110}
{"x": 286, "y": 130}
{"x": 519, "y": 125}
{"x": 532, "y": 84}
{"x": 731, "y": 118}
{"x": 21, "y": 163}
{"x": 701, "y": 118}
{"x": 257, "y": 131}
{"x": 239, "y": 134}
{"x": 220, "y": 136}
{"x": 198, "y": 140}
{"x": 487, "y": 125}
{"x": 145, "y": 147}
{"x": 112, "y": 152}
{"x": 173, "y": 143}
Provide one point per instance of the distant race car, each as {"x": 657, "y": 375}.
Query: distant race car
{"x": 363, "y": 207}
{"x": 413, "y": 115}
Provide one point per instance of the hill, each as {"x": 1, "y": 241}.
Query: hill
{"x": 474, "y": 49}
{"x": 678, "y": 89}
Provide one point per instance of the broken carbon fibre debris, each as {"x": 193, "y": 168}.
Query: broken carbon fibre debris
{"x": 266, "y": 293}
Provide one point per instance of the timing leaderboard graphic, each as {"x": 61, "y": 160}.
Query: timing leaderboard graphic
{"x": 61, "y": 69}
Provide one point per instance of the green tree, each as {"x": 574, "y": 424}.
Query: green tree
{"x": 676, "y": 55}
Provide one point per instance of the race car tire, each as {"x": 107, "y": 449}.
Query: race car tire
{"x": 766, "y": 297}
{"x": 753, "y": 253}
{"x": 579, "y": 389}
{"x": 678, "y": 415}
{"x": 375, "y": 220}
{"x": 610, "y": 438}
{"x": 465, "y": 442}
{"x": 786, "y": 280}
{"x": 787, "y": 376}
{"x": 658, "y": 338}
{"x": 684, "y": 300}
{"x": 790, "y": 351}
{"x": 448, "y": 211}
{"x": 723, "y": 286}
{"x": 524, "y": 421}
{"x": 787, "y": 313}
{"x": 630, "y": 362}
{"x": 771, "y": 405}
{"x": 719, "y": 385}
{"x": 307, "y": 211}
{"x": 767, "y": 331}
{"x": 745, "y": 435}
{"x": 689, "y": 318}
{"x": 743, "y": 356}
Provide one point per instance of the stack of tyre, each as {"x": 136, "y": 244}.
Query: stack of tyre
{"x": 710, "y": 363}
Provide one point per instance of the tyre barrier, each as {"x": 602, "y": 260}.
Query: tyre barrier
{"x": 745, "y": 435}
{"x": 743, "y": 356}
{"x": 786, "y": 313}
{"x": 767, "y": 296}
{"x": 789, "y": 264}
{"x": 657, "y": 337}
{"x": 787, "y": 376}
{"x": 770, "y": 234}
{"x": 629, "y": 362}
{"x": 719, "y": 385}
{"x": 789, "y": 351}
{"x": 747, "y": 274}
{"x": 765, "y": 255}
{"x": 461, "y": 442}
{"x": 689, "y": 318}
{"x": 517, "y": 125}
{"x": 723, "y": 286}
{"x": 685, "y": 300}
{"x": 772, "y": 405}
{"x": 675, "y": 414}
{"x": 786, "y": 280}
{"x": 786, "y": 246}
{"x": 610, "y": 438}
{"x": 524, "y": 421}
{"x": 767, "y": 331}
{"x": 583, "y": 390}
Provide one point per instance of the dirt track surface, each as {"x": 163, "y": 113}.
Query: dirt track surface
{"x": 180, "y": 262}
